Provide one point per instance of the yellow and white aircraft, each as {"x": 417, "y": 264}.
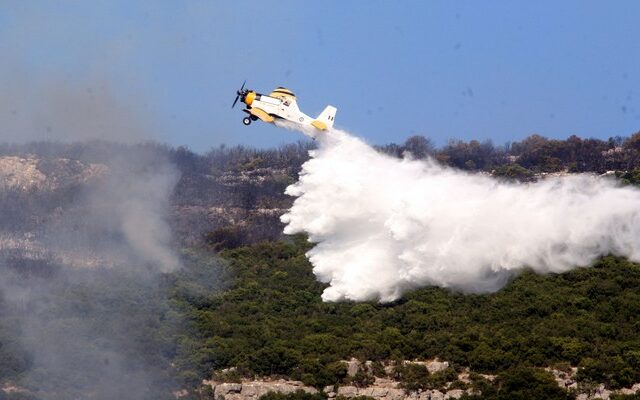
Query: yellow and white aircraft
{"x": 280, "y": 104}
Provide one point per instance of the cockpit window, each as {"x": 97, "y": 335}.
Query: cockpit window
{"x": 270, "y": 100}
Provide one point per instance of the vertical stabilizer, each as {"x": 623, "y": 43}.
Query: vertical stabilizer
{"x": 325, "y": 119}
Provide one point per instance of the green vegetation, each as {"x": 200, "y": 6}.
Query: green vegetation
{"x": 522, "y": 383}
{"x": 513, "y": 172}
{"x": 271, "y": 321}
{"x": 630, "y": 177}
{"x": 414, "y": 377}
{"x": 515, "y": 384}
{"x": 258, "y": 308}
{"x": 81, "y": 328}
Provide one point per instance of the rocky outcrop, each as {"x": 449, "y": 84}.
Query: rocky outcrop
{"x": 387, "y": 389}
{"x": 11, "y": 388}
{"x": 390, "y": 389}
{"x": 567, "y": 380}
{"x": 629, "y": 391}
{"x": 600, "y": 392}
{"x": 253, "y": 176}
{"x": 26, "y": 174}
{"x": 382, "y": 389}
{"x": 432, "y": 366}
{"x": 18, "y": 173}
{"x": 252, "y": 390}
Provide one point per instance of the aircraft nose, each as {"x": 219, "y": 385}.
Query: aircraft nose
{"x": 249, "y": 98}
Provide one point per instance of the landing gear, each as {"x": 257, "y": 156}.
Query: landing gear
{"x": 246, "y": 121}
{"x": 253, "y": 118}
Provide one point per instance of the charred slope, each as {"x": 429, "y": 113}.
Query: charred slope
{"x": 43, "y": 183}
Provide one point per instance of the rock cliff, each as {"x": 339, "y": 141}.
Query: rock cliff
{"x": 390, "y": 389}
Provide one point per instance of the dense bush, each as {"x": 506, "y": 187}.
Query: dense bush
{"x": 526, "y": 383}
{"x": 271, "y": 320}
{"x": 412, "y": 377}
{"x": 513, "y": 172}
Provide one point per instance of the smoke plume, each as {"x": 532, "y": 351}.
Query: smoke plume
{"x": 122, "y": 216}
{"x": 84, "y": 244}
{"x": 383, "y": 226}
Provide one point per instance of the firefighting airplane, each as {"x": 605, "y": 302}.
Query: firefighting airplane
{"x": 280, "y": 104}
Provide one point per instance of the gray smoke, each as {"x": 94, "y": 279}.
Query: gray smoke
{"x": 84, "y": 238}
{"x": 83, "y": 334}
{"x": 121, "y": 215}
{"x": 83, "y": 253}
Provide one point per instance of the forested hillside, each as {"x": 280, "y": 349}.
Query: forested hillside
{"x": 246, "y": 300}
{"x": 270, "y": 321}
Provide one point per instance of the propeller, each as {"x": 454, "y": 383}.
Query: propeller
{"x": 239, "y": 93}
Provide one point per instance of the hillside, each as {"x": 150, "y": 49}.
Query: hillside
{"x": 271, "y": 322}
{"x": 245, "y": 304}
{"x": 242, "y": 189}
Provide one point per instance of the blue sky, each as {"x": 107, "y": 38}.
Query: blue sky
{"x": 496, "y": 70}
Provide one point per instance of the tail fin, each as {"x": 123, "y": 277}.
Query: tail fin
{"x": 325, "y": 119}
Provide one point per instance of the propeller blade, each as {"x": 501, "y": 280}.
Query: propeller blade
{"x": 239, "y": 93}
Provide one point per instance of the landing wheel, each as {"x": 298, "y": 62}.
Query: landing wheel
{"x": 253, "y": 118}
{"x": 246, "y": 121}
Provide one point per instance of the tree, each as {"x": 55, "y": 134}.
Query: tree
{"x": 419, "y": 146}
{"x": 523, "y": 383}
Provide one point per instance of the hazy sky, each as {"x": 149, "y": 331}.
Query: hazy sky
{"x": 497, "y": 70}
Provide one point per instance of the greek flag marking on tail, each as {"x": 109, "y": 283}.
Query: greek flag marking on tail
{"x": 327, "y": 116}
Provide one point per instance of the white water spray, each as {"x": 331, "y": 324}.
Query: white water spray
{"x": 383, "y": 226}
